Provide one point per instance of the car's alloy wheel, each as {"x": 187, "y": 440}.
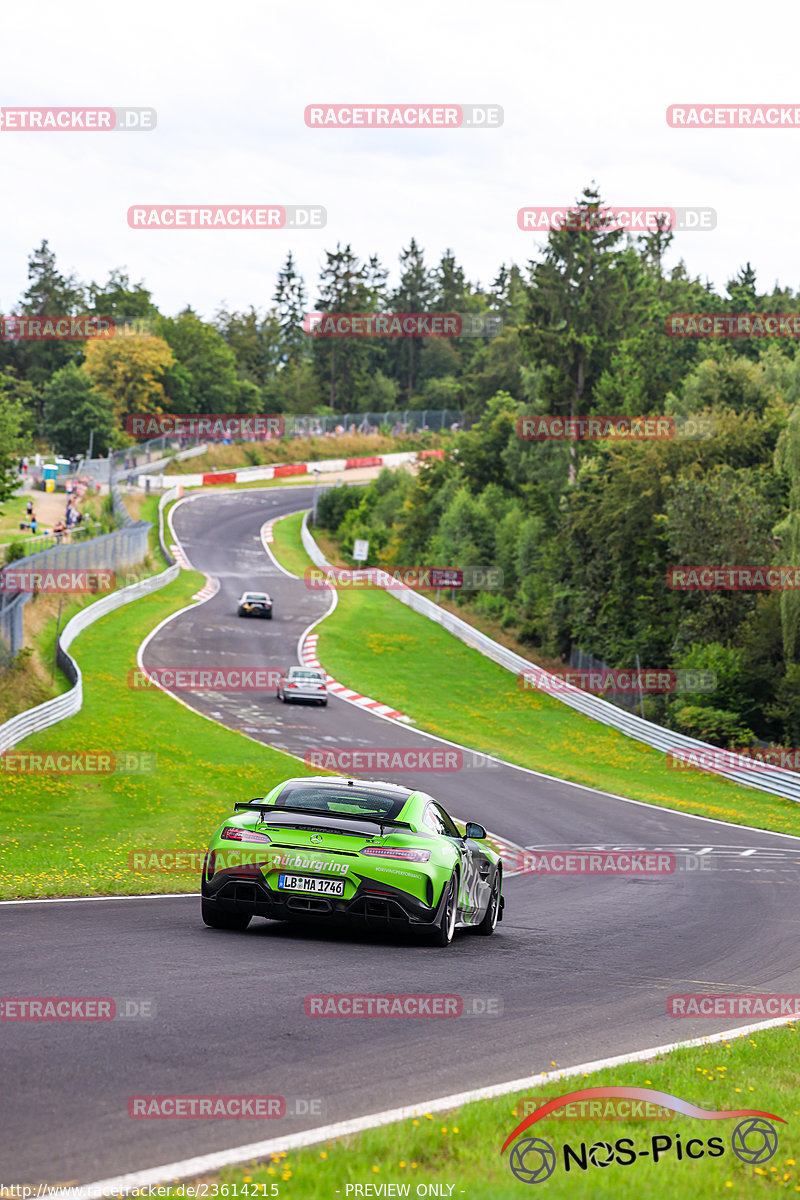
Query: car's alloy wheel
{"x": 443, "y": 933}
{"x": 220, "y": 918}
{"x": 487, "y": 925}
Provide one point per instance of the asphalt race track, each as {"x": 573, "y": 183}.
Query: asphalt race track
{"x": 580, "y": 967}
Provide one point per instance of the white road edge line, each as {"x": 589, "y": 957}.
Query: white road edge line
{"x": 205, "y": 1163}
{"x": 265, "y": 543}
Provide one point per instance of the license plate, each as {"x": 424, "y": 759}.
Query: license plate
{"x": 306, "y": 883}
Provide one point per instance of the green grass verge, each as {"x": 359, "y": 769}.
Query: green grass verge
{"x": 71, "y": 835}
{"x": 459, "y": 1150}
{"x": 287, "y": 546}
{"x": 380, "y": 648}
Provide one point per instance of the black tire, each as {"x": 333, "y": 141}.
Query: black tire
{"x": 443, "y": 930}
{"x": 220, "y": 918}
{"x": 324, "y": 703}
{"x": 269, "y": 616}
{"x": 282, "y": 697}
{"x": 240, "y": 612}
{"x": 487, "y": 926}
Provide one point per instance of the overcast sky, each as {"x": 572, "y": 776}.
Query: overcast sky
{"x": 584, "y": 88}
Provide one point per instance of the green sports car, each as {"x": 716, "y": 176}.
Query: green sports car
{"x": 343, "y": 849}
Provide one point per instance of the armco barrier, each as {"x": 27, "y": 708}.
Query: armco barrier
{"x": 121, "y": 548}
{"x": 53, "y": 711}
{"x": 276, "y": 470}
{"x": 33, "y": 720}
{"x": 777, "y": 781}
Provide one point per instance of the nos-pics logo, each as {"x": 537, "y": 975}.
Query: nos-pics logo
{"x": 533, "y": 1160}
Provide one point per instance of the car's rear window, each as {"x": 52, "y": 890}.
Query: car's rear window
{"x": 255, "y": 596}
{"x": 327, "y": 798}
{"x": 298, "y": 673}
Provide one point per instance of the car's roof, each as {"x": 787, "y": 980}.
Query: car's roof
{"x": 313, "y": 670}
{"x": 255, "y": 593}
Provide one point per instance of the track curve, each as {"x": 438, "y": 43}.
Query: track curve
{"x": 580, "y": 967}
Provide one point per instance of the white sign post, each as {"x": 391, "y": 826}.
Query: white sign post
{"x": 360, "y": 550}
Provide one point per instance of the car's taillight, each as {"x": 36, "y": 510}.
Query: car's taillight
{"x": 290, "y": 684}
{"x": 407, "y": 854}
{"x": 233, "y": 833}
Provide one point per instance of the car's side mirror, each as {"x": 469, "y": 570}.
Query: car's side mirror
{"x": 474, "y": 830}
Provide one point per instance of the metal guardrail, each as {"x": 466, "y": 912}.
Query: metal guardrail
{"x": 118, "y": 549}
{"x": 406, "y": 421}
{"x": 33, "y": 720}
{"x": 167, "y": 498}
{"x": 123, "y": 543}
{"x": 774, "y": 780}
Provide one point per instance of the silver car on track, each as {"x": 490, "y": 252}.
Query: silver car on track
{"x": 303, "y": 683}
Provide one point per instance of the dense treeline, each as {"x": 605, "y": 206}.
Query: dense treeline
{"x": 585, "y": 532}
{"x": 581, "y": 329}
{"x": 585, "y": 564}
{"x": 258, "y": 361}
